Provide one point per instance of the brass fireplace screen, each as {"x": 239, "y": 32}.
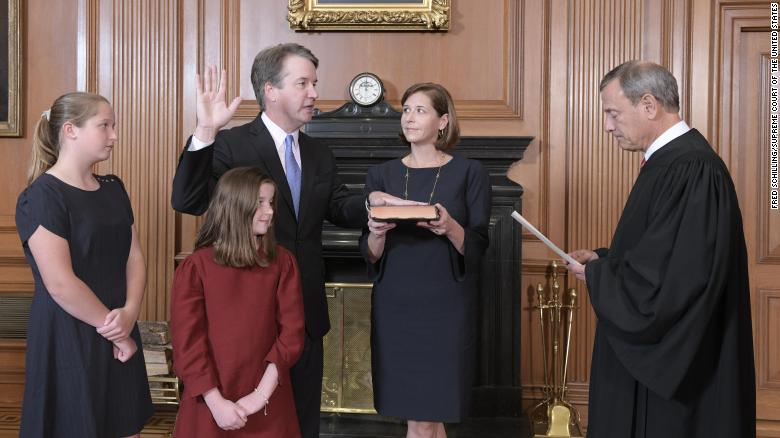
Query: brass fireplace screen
{"x": 346, "y": 382}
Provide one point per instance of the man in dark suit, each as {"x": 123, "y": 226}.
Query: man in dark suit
{"x": 284, "y": 78}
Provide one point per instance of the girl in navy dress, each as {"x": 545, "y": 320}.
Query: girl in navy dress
{"x": 85, "y": 375}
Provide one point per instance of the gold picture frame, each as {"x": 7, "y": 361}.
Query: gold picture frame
{"x": 321, "y": 15}
{"x": 11, "y": 69}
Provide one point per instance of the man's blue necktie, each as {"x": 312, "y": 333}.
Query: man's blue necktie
{"x": 293, "y": 172}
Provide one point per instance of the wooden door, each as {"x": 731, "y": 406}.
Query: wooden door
{"x": 744, "y": 129}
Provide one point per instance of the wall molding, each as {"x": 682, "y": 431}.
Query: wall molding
{"x": 767, "y": 365}
{"x": 146, "y": 97}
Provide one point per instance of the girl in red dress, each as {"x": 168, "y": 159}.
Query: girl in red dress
{"x": 237, "y": 318}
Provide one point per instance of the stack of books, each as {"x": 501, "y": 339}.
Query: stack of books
{"x": 157, "y": 347}
{"x": 158, "y": 360}
{"x": 156, "y": 338}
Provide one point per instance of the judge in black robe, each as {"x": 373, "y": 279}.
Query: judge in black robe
{"x": 673, "y": 352}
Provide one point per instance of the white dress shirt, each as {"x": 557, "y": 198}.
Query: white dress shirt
{"x": 670, "y": 134}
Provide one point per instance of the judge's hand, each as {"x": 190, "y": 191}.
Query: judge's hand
{"x": 444, "y": 226}
{"x": 227, "y": 415}
{"x": 124, "y": 349}
{"x": 379, "y": 229}
{"x": 583, "y": 256}
{"x": 212, "y": 111}
{"x": 118, "y": 324}
{"x": 381, "y": 198}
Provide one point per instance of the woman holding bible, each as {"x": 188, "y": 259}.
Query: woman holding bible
{"x": 425, "y": 273}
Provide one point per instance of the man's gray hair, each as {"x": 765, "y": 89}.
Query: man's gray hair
{"x": 638, "y": 78}
{"x": 268, "y": 65}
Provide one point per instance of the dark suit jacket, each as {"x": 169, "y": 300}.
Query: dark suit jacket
{"x": 323, "y": 196}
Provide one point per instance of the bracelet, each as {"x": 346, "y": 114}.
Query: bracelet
{"x": 368, "y": 205}
{"x": 267, "y": 401}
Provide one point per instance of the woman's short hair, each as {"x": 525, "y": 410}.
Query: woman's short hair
{"x": 228, "y": 224}
{"x": 442, "y": 104}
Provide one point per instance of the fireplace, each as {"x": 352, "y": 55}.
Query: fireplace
{"x": 359, "y": 138}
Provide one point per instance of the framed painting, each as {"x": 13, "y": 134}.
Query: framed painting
{"x": 320, "y": 15}
{"x": 10, "y": 69}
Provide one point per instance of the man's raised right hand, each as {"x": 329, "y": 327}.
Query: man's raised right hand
{"x": 212, "y": 112}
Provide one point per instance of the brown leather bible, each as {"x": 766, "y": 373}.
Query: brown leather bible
{"x": 393, "y": 213}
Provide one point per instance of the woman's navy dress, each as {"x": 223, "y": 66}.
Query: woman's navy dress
{"x": 425, "y": 294}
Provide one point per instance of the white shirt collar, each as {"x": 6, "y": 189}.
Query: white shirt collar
{"x": 278, "y": 133}
{"x": 670, "y": 134}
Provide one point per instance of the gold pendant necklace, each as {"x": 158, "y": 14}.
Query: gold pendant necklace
{"x": 436, "y": 180}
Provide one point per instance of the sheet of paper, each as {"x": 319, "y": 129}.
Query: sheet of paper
{"x": 516, "y": 216}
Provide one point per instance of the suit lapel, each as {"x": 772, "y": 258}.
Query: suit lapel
{"x": 309, "y": 171}
{"x": 266, "y": 149}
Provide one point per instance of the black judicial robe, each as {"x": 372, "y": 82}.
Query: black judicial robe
{"x": 673, "y": 353}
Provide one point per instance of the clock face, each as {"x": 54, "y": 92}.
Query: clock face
{"x": 366, "y": 89}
